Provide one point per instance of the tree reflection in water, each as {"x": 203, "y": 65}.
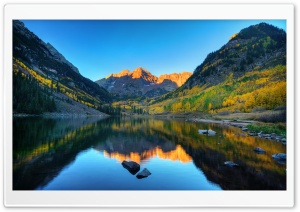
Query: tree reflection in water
{"x": 43, "y": 147}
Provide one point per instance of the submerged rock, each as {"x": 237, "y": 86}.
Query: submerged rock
{"x": 230, "y": 164}
{"x": 207, "y": 132}
{"x": 252, "y": 134}
{"x": 280, "y": 158}
{"x": 143, "y": 174}
{"x": 131, "y": 166}
{"x": 244, "y": 129}
{"x": 272, "y": 136}
{"x": 259, "y": 150}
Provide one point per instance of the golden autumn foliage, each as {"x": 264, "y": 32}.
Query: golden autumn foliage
{"x": 255, "y": 89}
{"x": 73, "y": 93}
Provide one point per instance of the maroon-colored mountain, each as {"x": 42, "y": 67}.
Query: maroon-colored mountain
{"x": 141, "y": 82}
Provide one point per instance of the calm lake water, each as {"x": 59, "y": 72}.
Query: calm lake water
{"x": 86, "y": 154}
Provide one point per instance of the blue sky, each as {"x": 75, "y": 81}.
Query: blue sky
{"x": 101, "y": 47}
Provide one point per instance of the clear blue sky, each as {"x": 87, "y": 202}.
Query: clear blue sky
{"x": 98, "y": 48}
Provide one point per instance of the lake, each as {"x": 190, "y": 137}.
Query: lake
{"x": 86, "y": 154}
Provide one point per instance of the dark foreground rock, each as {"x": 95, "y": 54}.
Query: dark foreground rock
{"x": 230, "y": 164}
{"x": 131, "y": 166}
{"x": 259, "y": 150}
{"x": 143, "y": 174}
{"x": 280, "y": 158}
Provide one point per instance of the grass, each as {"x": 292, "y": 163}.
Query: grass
{"x": 261, "y": 116}
{"x": 235, "y": 116}
{"x": 273, "y": 117}
{"x": 278, "y": 128}
{"x": 267, "y": 121}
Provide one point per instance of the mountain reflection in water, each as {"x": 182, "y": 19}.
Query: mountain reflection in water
{"x": 86, "y": 154}
{"x": 178, "y": 154}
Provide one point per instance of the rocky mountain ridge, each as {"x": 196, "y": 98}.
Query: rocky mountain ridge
{"x": 31, "y": 48}
{"x": 178, "y": 78}
{"x": 141, "y": 82}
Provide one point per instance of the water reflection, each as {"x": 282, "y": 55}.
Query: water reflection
{"x": 178, "y": 154}
{"x": 43, "y": 148}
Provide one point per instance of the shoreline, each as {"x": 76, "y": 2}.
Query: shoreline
{"x": 243, "y": 125}
{"x": 59, "y": 115}
{"x": 239, "y": 124}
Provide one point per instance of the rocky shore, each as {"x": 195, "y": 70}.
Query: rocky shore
{"x": 243, "y": 125}
{"x": 279, "y": 157}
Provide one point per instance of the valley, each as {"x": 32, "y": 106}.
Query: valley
{"x": 246, "y": 75}
{"x": 220, "y": 126}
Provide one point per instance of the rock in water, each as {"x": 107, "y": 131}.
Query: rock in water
{"x": 131, "y": 166}
{"x": 143, "y": 174}
{"x": 280, "y": 158}
{"x": 259, "y": 150}
{"x": 206, "y": 132}
{"x": 230, "y": 164}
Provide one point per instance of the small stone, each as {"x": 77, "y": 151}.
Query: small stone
{"x": 230, "y": 164}
{"x": 206, "y": 132}
{"x": 280, "y": 158}
{"x": 259, "y": 150}
{"x": 252, "y": 134}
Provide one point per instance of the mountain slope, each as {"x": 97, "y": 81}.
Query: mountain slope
{"x": 42, "y": 62}
{"x": 140, "y": 82}
{"x": 260, "y": 46}
{"x": 252, "y": 62}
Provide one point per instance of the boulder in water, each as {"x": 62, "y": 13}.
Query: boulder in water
{"x": 259, "y": 150}
{"x": 230, "y": 164}
{"x": 131, "y": 166}
{"x": 143, "y": 174}
{"x": 280, "y": 158}
{"x": 207, "y": 132}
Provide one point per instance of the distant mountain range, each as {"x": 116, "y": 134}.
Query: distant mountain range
{"x": 141, "y": 82}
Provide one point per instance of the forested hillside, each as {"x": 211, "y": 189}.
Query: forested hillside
{"x": 29, "y": 97}
{"x": 55, "y": 79}
{"x": 248, "y": 73}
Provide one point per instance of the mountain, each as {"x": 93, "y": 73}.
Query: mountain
{"x": 247, "y": 73}
{"x": 30, "y": 48}
{"x": 140, "y": 82}
{"x": 259, "y": 46}
{"x": 58, "y": 79}
{"x": 179, "y": 79}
